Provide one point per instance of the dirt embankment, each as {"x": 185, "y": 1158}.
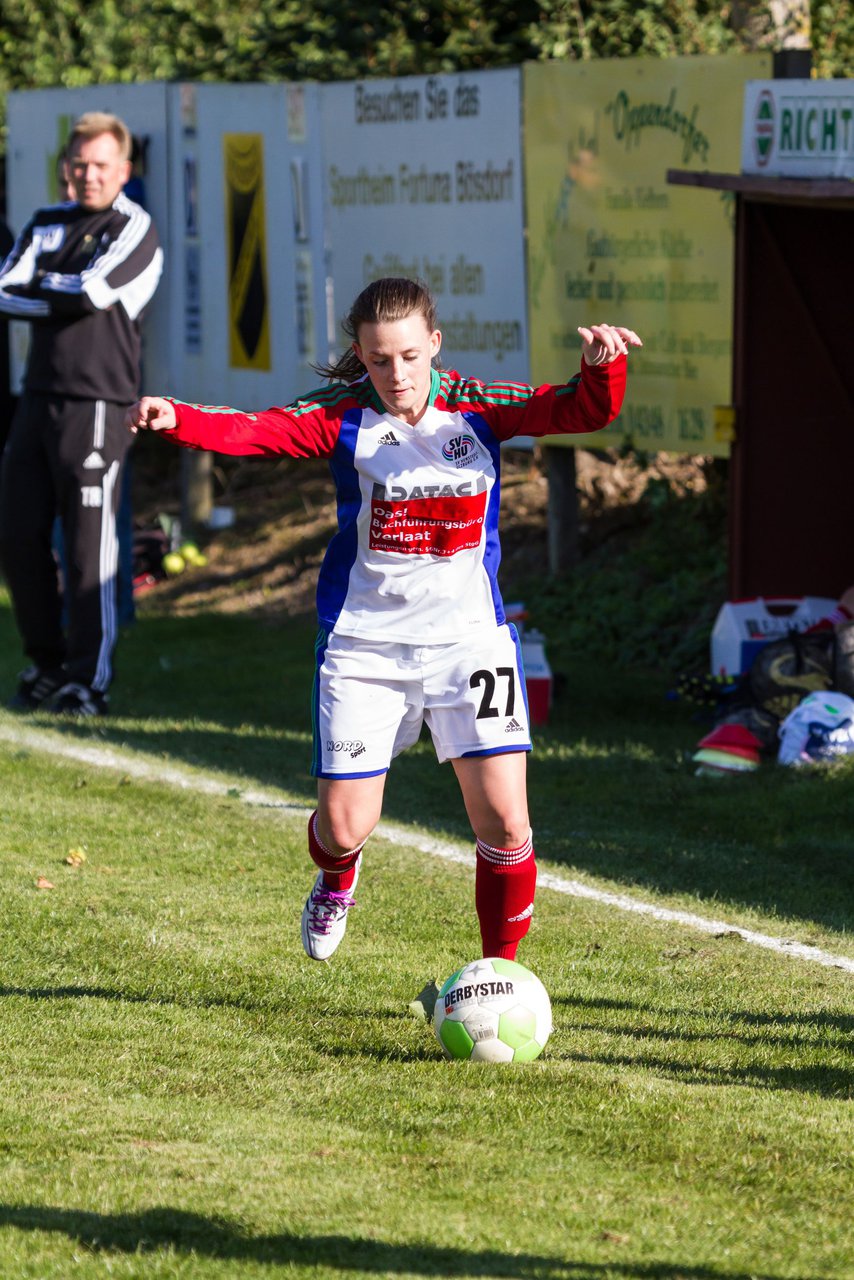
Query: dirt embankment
{"x": 285, "y": 515}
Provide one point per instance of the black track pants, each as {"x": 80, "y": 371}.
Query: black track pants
{"x": 64, "y": 457}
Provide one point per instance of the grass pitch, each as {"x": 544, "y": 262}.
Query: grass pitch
{"x": 185, "y": 1095}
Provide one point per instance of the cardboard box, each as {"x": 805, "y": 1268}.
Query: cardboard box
{"x": 743, "y": 627}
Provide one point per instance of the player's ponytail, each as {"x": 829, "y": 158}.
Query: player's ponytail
{"x": 382, "y": 302}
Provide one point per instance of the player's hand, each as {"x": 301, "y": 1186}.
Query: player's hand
{"x": 602, "y": 343}
{"x": 151, "y": 413}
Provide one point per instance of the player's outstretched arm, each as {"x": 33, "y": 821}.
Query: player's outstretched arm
{"x": 602, "y": 343}
{"x": 151, "y": 413}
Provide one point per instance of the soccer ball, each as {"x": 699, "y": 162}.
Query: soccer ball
{"x": 493, "y": 1011}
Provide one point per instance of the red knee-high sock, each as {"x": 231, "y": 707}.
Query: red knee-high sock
{"x": 338, "y": 872}
{"x": 505, "y": 881}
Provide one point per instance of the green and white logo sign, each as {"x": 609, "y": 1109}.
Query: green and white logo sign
{"x": 763, "y": 129}
{"x": 798, "y": 128}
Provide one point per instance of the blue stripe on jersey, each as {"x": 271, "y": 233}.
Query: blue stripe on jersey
{"x": 375, "y": 773}
{"x": 320, "y": 646}
{"x": 497, "y": 751}
{"x": 492, "y": 547}
{"x": 520, "y": 668}
{"x": 341, "y": 553}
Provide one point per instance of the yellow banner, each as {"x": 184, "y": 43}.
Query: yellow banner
{"x": 246, "y": 243}
{"x": 611, "y": 241}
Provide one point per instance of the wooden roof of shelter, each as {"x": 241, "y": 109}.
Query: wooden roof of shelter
{"x": 837, "y": 191}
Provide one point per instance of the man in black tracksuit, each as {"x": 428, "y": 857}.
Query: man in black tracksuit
{"x": 81, "y": 272}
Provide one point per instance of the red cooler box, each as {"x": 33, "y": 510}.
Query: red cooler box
{"x": 538, "y": 676}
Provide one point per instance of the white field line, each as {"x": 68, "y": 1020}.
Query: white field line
{"x": 149, "y": 770}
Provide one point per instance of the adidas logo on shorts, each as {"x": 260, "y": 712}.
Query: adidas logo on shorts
{"x": 389, "y": 438}
{"x": 513, "y": 726}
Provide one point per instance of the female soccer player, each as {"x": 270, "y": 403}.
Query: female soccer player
{"x": 412, "y": 627}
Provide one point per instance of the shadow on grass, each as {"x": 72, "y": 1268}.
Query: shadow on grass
{"x": 823, "y": 1081}
{"x": 348, "y": 1014}
{"x": 784, "y": 1023}
{"x": 128, "y": 997}
{"x": 734, "y": 1028}
{"x": 820, "y": 1079}
{"x": 610, "y": 790}
{"x": 166, "y": 1228}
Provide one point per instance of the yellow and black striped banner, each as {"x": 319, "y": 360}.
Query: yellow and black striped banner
{"x": 246, "y": 234}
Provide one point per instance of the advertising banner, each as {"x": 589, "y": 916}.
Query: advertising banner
{"x": 423, "y": 178}
{"x": 247, "y": 242}
{"x": 798, "y": 129}
{"x": 611, "y": 241}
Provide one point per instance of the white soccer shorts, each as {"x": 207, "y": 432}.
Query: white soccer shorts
{"x": 371, "y": 698}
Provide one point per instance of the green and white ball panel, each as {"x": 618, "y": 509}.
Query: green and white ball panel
{"x": 493, "y": 1010}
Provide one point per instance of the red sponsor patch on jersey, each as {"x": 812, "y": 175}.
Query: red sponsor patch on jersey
{"x": 427, "y": 526}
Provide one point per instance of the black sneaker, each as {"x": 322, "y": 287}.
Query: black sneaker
{"x": 79, "y": 700}
{"x": 35, "y": 688}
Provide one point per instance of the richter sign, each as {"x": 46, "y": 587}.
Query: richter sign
{"x": 798, "y": 129}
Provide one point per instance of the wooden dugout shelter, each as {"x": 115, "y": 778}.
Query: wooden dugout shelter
{"x": 791, "y": 507}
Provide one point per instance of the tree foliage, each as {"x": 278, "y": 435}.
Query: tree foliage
{"x": 78, "y": 42}
{"x": 70, "y": 43}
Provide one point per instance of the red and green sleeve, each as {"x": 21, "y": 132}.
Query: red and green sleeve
{"x": 308, "y": 428}
{"x": 588, "y": 402}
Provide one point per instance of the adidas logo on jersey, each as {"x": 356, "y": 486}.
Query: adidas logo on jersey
{"x": 94, "y": 462}
{"x": 389, "y": 438}
{"x": 513, "y": 726}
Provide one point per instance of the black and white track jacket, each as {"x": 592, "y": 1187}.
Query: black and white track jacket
{"x": 83, "y": 278}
